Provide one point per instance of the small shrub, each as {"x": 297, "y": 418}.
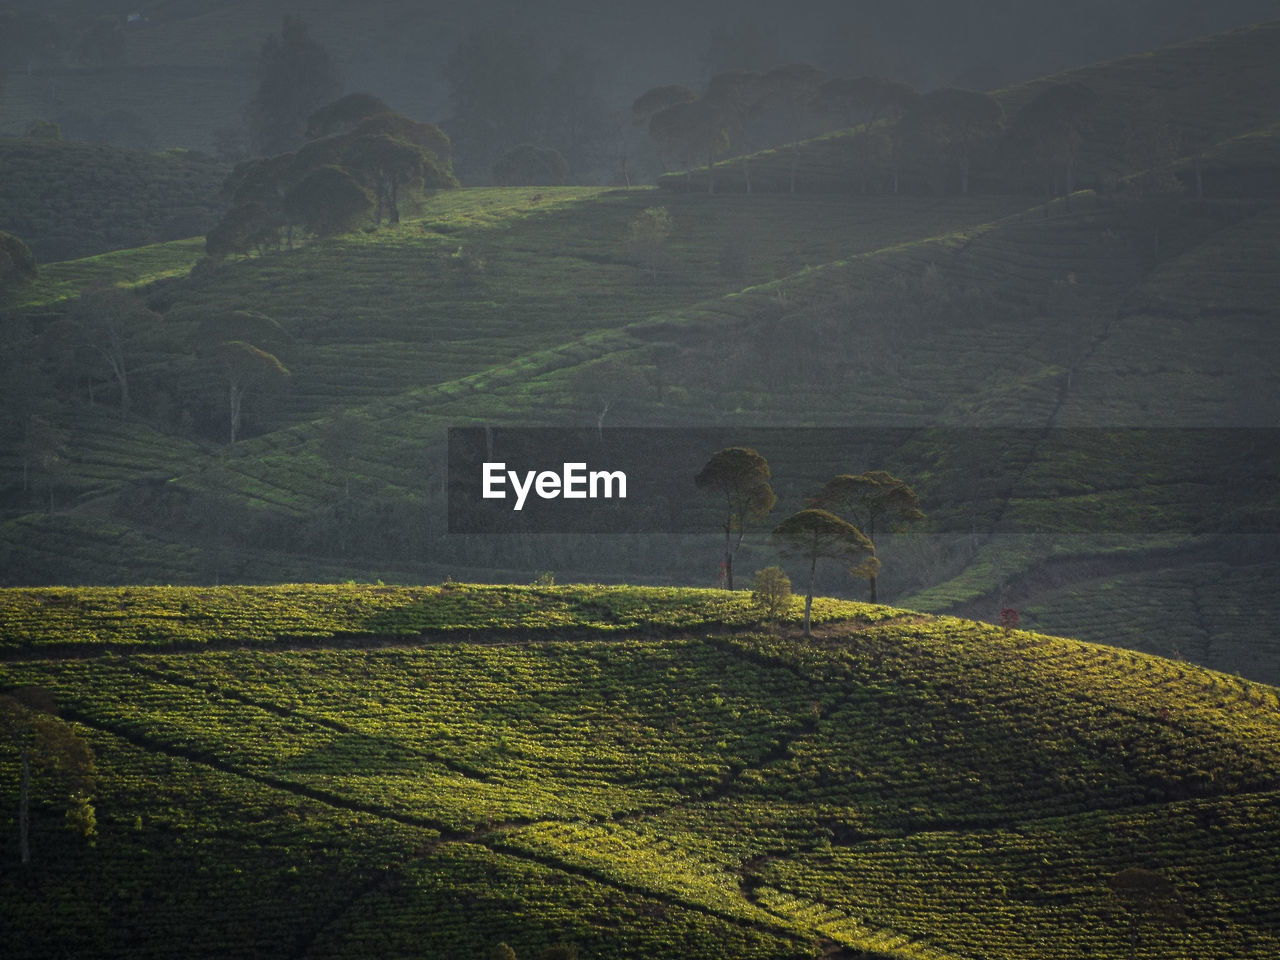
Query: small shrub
{"x": 771, "y": 593}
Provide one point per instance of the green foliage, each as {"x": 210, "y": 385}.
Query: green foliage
{"x": 343, "y": 114}
{"x": 771, "y": 592}
{"x": 328, "y": 201}
{"x": 701, "y": 792}
{"x": 17, "y": 265}
{"x": 739, "y": 476}
{"x": 69, "y": 199}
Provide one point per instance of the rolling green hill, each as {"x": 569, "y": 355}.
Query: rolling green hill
{"x": 71, "y": 200}
{"x": 533, "y": 306}
{"x": 358, "y": 771}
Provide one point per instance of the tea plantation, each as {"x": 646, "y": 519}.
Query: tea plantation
{"x": 428, "y": 772}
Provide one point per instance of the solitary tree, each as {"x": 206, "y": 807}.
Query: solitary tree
{"x": 741, "y": 476}
{"x": 49, "y": 748}
{"x": 236, "y": 342}
{"x": 815, "y": 535}
{"x": 1145, "y": 896}
{"x": 647, "y": 234}
{"x": 44, "y": 450}
{"x": 245, "y": 366}
{"x": 872, "y": 501}
{"x": 105, "y": 321}
{"x": 771, "y": 592}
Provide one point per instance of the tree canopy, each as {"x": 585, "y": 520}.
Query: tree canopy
{"x": 741, "y": 476}
{"x": 870, "y": 500}
{"x": 815, "y": 535}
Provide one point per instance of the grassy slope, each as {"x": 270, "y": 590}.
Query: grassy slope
{"x": 69, "y": 200}
{"x": 392, "y": 327}
{"x": 657, "y": 785}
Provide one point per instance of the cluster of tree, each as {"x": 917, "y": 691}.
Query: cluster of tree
{"x": 186, "y": 373}
{"x": 362, "y": 160}
{"x": 939, "y": 135}
{"x": 839, "y": 522}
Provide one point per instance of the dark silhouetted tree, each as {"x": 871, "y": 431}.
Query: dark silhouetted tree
{"x": 386, "y": 166}
{"x": 1049, "y": 131}
{"x": 245, "y": 227}
{"x": 657, "y": 99}
{"x": 232, "y": 341}
{"x": 736, "y": 97}
{"x": 17, "y": 265}
{"x": 328, "y": 201}
{"x": 690, "y": 132}
{"x": 45, "y": 450}
{"x": 344, "y": 114}
{"x": 296, "y": 75}
{"x": 740, "y": 477}
{"x": 949, "y": 124}
{"x": 647, "y": 234}
{"x": 245, "y": 366}
{"x": 814, "y": 535}
{"x": 792, "y": 90}
{"x": 51, "y": 751}
{"x": 872, "y": 501}
{"x": 108, "y": 322}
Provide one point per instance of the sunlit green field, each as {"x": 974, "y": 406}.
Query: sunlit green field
{"x": 354, "y": 771}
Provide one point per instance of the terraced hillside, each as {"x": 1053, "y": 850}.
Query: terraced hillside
{"x": 521, "y": 306}
{"x": 71, "y": 200}
{"x": 357, "y": 771}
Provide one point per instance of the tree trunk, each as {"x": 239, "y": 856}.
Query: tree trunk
{"x": 808, "y": 597}
{"x": 393, "y": 197}
{"x": 872, "y": 580}
{"x": 24, "y": 802}
{"x": 235, "y": 396}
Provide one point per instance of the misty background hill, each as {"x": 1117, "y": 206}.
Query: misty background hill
{"x": 1145, "y": 300}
